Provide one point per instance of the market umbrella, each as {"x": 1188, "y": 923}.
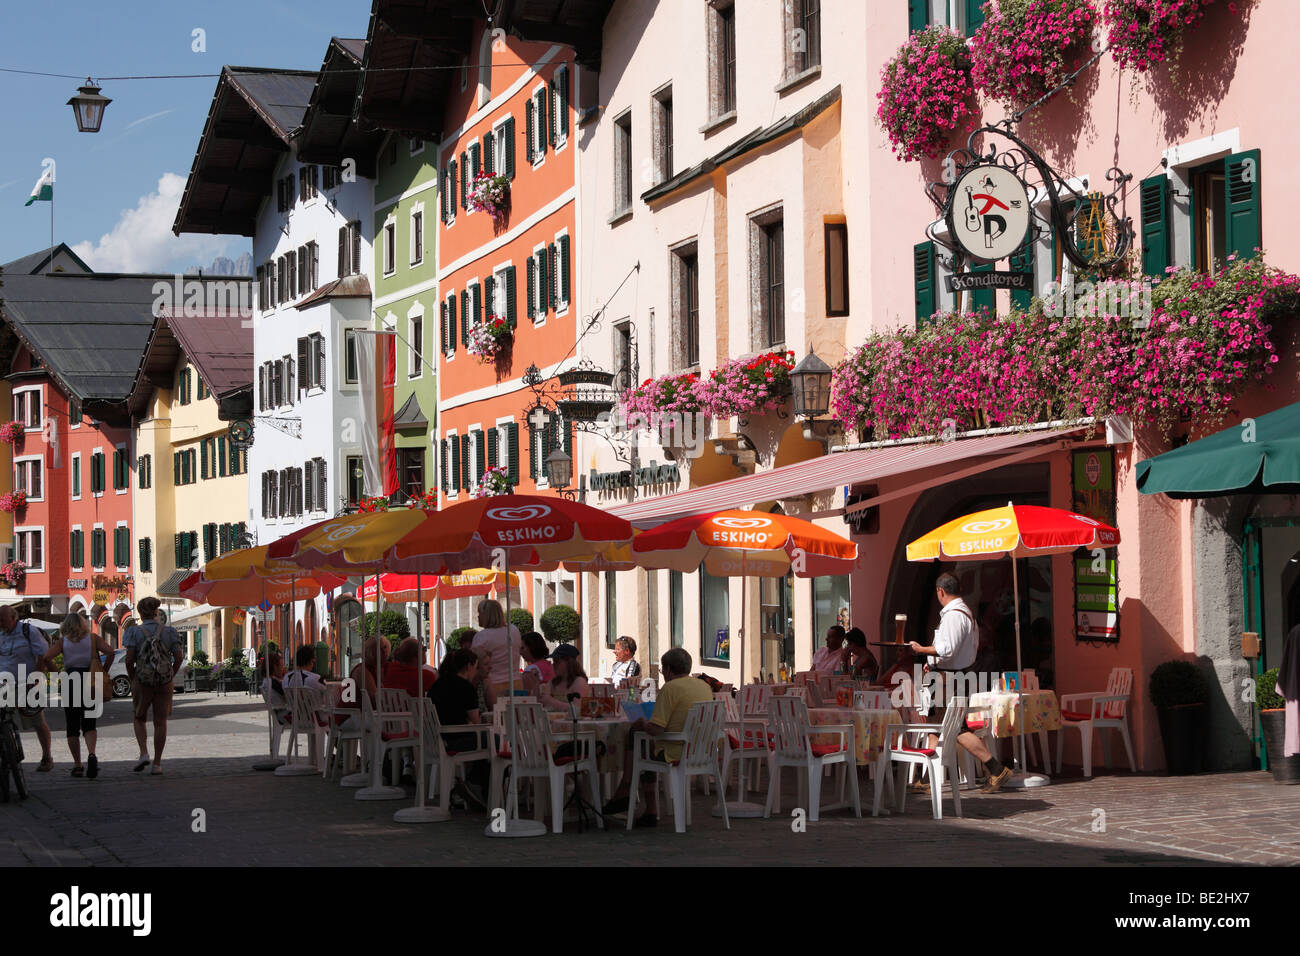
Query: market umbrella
{"x": 737, "y": 543}
{"x": 1018, "y": 531}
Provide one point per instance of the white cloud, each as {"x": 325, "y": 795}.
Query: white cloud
{"x": 142, "y": 239}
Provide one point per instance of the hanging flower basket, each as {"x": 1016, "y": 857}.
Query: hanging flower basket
{"x": 13, "y": 501}
{"x": 1207, "y": 338}
{"x": 749, "y": 386}
{"x": 495, "y": 481}
{"x": 489, "y": 338}
{"x": 11, "y": 433}
{"x": 1025, "y": 48}
{"x": 1144, "y": 32}
{"x": 13, "y": 572}
{"x": 488, "y": 193}
{"x": 926, "y": 93}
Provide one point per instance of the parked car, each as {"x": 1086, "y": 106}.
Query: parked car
{"x": 122, "y": 683}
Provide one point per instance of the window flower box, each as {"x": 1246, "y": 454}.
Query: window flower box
{"x": 495, "y": 481}
{"x": 12, "y": 502}
{"x": 11, "y": 433}
{"x": 13, "y": 572}
{"x": 488, "y": 193}
{"x": 490, "y": 338}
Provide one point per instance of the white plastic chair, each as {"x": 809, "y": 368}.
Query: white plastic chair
{"x": 746, "y": 739}
{"x": 442, "y": 761}
{"x": 535, "y": 758}
{"x": 792, "y": 747}
{"x": 701, "y": 740}
{"x": 753, "y": 700}
{"x": 396, "y": 726}
{"x": 305, "y": 704}
{"x": 1106, "y": 710}
{"x": 339, "y": 742}
{"x": 797, "y": 692}
{"x": 938, "y": 762}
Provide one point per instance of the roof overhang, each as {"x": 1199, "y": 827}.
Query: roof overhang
{"x": 329, "y": 133}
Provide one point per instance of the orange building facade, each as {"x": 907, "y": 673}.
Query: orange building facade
{"x": 511, "y": 116}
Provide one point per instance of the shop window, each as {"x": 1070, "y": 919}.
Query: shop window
{"x": 715, "y": 618}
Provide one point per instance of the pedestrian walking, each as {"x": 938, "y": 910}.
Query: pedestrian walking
{"x": 23, "y": 648}
{"x": 153, "y": 655}
{"x": 78, "y": 645}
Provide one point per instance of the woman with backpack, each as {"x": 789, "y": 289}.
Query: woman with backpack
{"x": 77, "y": 645}
{"x": 153, "y": 655}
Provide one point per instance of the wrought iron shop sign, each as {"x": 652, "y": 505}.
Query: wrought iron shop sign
{"x": 652, "y": 474}
{"x": 996, "y": 200}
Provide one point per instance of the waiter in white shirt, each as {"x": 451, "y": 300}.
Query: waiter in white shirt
{"x": 954, "y": 649}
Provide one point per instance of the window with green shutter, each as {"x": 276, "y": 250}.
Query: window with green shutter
{"x": 1154, "y": 201}
{"x": 480, "y": 453}
{"x": 508, "y": 281}
{"x": 565, "y": 267}
{"x": 451, "y": 323}
{"x": 512, "y": 449}
{"x": 490, "y": 294}
{"x": 552, "y": 275}
{"x": 455, "y": 462}
{"x": 1244, "y": 228}
{"x": 493, "y": 439}
{"x": 465, "y": 315}
{"x": 918, "y": 15}
{"x": 222, "y": 459}
{"x": 923, "y": 278}
{"x": 76, "y": 477}
{"x": 444, "y": 469}
{"x": 465, "y": 465}
{"x": 509, "y": 148}
{"x": 442, "y": 325}
{"x": 530, "y": 273}
{"x": 98, "y": 547}
{"x": 146, "y": 555}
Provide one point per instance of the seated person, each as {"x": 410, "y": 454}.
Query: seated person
{"x": 570, "y": 678}
{"x": 374, "y": 655}
{"x": 625, "y": 665}
{"x": 538, "y": 672}
{"x": 456, "y": 700}
{"x": 273, "y": 687}
{"x": 863, "y": 664}
{"x": 304, "y": 673}
{"x": 829, "y": 659}
{"x": 679, "y": 692}
{"x": 404, "y": 670}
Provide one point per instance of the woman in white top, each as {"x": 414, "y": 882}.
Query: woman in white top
{"x": 75, "y": 642}
{"x": 500, "y": 639}
{"x": 569, "y": 678}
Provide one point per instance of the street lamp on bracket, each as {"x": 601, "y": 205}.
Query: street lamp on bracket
{"x": 810, "y": 381}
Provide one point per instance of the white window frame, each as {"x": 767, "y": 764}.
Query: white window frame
{"x": 503, "y": 443}
{"x": 31, "y": 529}
{"x": 498, "y": 145}
{"x": 98, "y": 526}
{"x": 82, "y": 565}
{"x": 77, "y": 469}
{"x": 1181, "y": 159}
{"x": 342, "y": 359}
{"x": 475, "y": 290}
{"x": 415, "y": 361}
{"x": 98, "y": 450}
{"x": 39, "y": 461}
{"x": 416, "y": 208}
{"x": 453, "y": 489}
{"x": 116, "y": 566}
{"x": 389, "y": 250}
{"x": 561, "y": 139}
{"x": 538, "y": 95}
{"x": 562, "y": 305}
{"x": 415, "y": 150}
{"x": 498, "y": 286}
{"x": 126, "y": 458}
{"x": 474, "y": 431}
{"x": 25, "y": 391}
{"x": 80, "y": 418}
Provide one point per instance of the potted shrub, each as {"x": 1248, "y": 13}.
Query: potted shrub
{"x": 392, "y": 623}
{"x": 460, "y": 637}
{"x": 522, "y": 618}
{"x": 561, "y": 624}
{"x": 1272, "y": 718}
{"x": 1180, "y": 695}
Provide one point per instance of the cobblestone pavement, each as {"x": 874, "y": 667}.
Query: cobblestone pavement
{"x": 257, "y": 819}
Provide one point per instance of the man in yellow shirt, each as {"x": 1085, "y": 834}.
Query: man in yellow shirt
{"x": 672, "y": 704}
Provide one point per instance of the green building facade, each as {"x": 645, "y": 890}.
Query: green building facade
{"x": 405, "y": 285}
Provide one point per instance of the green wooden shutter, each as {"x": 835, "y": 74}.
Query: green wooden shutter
{"x": 528, "y": 134}
{"x": 480, "y": 453}
{"x": 508, "y": 277}
{"x": 974, "y": 16}
{"x": 562, "y": 87}
{"x": 466, "y": 174}
{"x": 539, "y": 110}
{"x": 72, "y": 549}
{"x": 464, "y": 462}
{"x": 566, "y": 294}
{"x": 924, "y": 279}
{"x": 465, "y": 317}
{"x": 492, "y": 440}
{"x": 442, "y": 193}
{"x": 552, "y": 94}
{"x": 451, "y": 323}
{"x": 552, "y": 275}
{"x": 918, "y": 15}
{"x": 444, "y": 466}
{"x": 531, "y": 273}
{"x": 533, "y": 438}
{"x": 488, "y": 153}
{"x": 203, "y": 458}
{"x": 509, "y": 157}
{"x": 442, "y": 326}
{"x": 1022, "y": 260}
{"x": 512, "y": 449}
{"x": 222, "y": 460}
{"x": 489, "y": 294}
{"x": 477, "y": 298}
{"x": 1244, "y": 229}
{"x": 1154, "y": 200}
{"x": 76, "y": 477}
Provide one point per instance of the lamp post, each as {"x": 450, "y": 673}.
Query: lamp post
{"x": 810, "y": 382}
{"x": 88, "y": 107}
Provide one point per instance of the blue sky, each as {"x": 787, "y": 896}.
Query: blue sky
{"x": 117, "y": 190}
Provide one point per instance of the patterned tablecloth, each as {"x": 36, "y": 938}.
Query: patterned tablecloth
{"x": 868, "y": 725}
{"x": 1043, "y": 708}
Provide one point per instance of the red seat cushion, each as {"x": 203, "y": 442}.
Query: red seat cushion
{"x": 918, "y": 750}
{"x": 977, "y": 724}
{"x": 504, "y": 753}
{"x": 825, "y": 750}
{"x": 1075, "y": 715}
{"x": 405, "y": 734}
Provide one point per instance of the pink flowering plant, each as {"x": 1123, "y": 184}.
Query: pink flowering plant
{"x": 488, "y": 339}
{"x": 1026, "y": 47}
{"x": 1145, "y": 32}
{"x": 13, "y": 572}
{"x": 668, "y": 394}
{"x": 1206, "y": 338}
{"x": 926, "y": 93}
{"x": 11, "y": 433}
{"x": 495, "y": 481}
{"x": 749, "y": 386}
{"x": 12, "y": 501}
{"x": 489, "y": 193}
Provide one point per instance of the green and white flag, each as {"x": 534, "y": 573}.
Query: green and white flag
{"x": 44, "y": 188}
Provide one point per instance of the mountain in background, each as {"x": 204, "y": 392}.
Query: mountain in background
{"x": 225, "y": 266}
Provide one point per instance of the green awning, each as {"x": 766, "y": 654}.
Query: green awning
{"x": 1230, "y": 463}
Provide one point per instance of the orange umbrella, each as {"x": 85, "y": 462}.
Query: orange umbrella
{"x": 245, "y": 562}
{"x": 249, "y": 591}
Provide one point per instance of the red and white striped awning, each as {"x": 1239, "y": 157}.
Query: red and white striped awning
{"x": 826, "y": 472}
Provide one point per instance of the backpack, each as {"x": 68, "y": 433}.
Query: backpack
{"x": 154, "y": 664}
